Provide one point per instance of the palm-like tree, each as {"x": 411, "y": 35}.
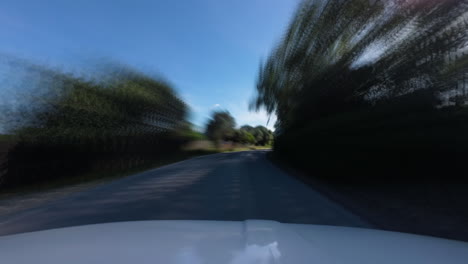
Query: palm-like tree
{"x": 340, "y": 55}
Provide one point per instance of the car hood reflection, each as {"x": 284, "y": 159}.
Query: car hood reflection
{"x": 215, "y": 242}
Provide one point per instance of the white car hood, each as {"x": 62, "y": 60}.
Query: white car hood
{"x": 197, "y": 242}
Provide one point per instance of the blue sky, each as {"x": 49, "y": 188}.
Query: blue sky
{"x": 209, "y": 49}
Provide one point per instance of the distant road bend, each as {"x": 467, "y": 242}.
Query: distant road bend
{"x": 229, "y": 186}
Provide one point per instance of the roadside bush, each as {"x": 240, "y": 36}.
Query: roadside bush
{"x": 378, "y": 146}
{"x": 67, "y": 126}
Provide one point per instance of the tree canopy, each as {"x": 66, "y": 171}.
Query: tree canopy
{"x": 370, "y": 85}
{"x": 65, "y": 125}
{"x": 338, "y": 56}
{"x": 221, "y": 126}
{"x": 261, "y": 135}
{"x": 243, "y": 137}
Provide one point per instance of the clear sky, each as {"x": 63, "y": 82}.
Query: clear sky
{"x": 209, "y": 49}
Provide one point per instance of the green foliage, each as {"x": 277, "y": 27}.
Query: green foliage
{"x": 361, "y": 83}
{"x": 221, "y": 126}
{"x": 64, "y": 106}
{"x": 6, "y": 138}
{"x": 187, "y": 131}
{"x": 248, "y": 128}
{"x": 68, "y": 125}
{"x": 340, "y": 56}
{"x": 194, "y": 135}
{"x": 261, "y": 135}
{"x": 243, "y": 137}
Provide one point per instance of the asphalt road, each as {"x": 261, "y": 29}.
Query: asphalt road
{"x": 228, "y": 186}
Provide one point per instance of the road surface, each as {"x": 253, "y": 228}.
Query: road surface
{"x": 228, "y": 186}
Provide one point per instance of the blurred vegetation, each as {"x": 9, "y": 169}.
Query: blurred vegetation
{"x": 6, "y": 138}
{"x": 259, "y": 135}
{"x": 222, "y": 125}
{"x": 371, "y": 88}
{"x": 66, "y": 126}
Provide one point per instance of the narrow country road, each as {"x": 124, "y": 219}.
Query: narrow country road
{"x": 229, "y": 186}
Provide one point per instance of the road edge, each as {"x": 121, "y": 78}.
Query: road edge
{"x": 323, "y": 189}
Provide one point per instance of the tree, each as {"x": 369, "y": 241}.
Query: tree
{"x": 243, "y": 137}
{"x": 359, "y": 80}
{"x": 261, "y": 134}
{"x": 248, "y": 128}
{"x": 221, "y": 126}
{"x": 68, "y": 126}
{"x": 338, "y": 56}
{"x": 249, "y": 138}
